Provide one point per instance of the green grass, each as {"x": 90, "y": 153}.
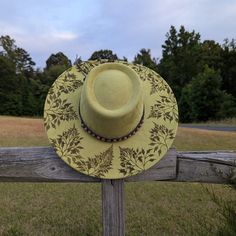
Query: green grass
{"x": 151, "y": 208}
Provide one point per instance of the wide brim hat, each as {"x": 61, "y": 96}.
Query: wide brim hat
{"x": 110, "y": 119}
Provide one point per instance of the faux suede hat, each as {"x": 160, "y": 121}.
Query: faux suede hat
{"x": 110, "y": 119}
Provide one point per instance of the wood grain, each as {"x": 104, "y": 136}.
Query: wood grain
{"x": 208, "y": 167}
{"x": 37, "y": 164}
{"x": 113, "y": 207}
{"x": 41, "y": 164}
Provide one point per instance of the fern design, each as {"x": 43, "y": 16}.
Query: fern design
{"x": 158, "y": 85}
{"x": 134, "y": 161}
{"x": 58, "y": 110}
{"x": 85, "y": 67}
{"x": 159, "y": 137}
{"x": 142, "y": 71}
{"x": 96, "y": 166}
{"x": 166, "y": 108}
{"x": 68, "y": 84}
{"x": 68, "y": 144}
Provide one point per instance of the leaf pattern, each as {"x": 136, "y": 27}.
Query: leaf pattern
{"x": 134, "y": 161}
{"x": 85, "y": 67}
{"x": 68, "y": 84}
{"x": 142, "y": 71}
{"x": 58, "y": 110}
{"x": 160, "y": 135}
{"x": 157, "y": 83}
{"x": 165, "y": 107}
{"x": 96, "y": 166}
{"x": 68, "y": 144}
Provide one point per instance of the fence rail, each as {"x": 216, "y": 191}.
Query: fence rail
{"x": 41, "y": 164}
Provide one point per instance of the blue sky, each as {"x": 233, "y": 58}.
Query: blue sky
{"x": 79, "y": 27}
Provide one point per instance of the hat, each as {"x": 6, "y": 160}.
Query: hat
{"x": 110, "y": 119}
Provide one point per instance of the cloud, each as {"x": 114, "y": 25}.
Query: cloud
{"x": 67, "y": 36}
{"x": 81, "y": 27}
{"x": 40, "y": 44}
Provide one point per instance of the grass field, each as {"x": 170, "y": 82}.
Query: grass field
{"x": 152, "y": 208}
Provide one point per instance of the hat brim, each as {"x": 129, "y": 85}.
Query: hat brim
{"x": 97, "y": 158}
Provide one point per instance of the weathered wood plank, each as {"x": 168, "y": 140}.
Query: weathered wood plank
{"x": 210, "y": 167}
{"x": 113, "y": 207}
{"x": 37, "y": 164}
{"x": 41, "y": 164}
{"x": 220, "y": 157}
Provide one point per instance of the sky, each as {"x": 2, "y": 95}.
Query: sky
{"x": 80, "y": 27}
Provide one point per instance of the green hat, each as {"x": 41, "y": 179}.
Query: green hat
{"x": 110, "y": 119}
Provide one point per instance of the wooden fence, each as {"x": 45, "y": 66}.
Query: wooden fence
{"x": 41, "y": 164}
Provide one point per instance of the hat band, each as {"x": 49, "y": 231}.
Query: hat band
{"x": 110, "y": 140}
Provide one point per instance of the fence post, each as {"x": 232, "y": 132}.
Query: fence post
{"x": 113, "y": 207}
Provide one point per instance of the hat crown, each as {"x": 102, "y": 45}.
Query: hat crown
{"x": 113, "y": 89}
{"x": 111, "y": 103}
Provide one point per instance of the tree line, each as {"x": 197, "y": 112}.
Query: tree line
{"x": 202, "y": 75}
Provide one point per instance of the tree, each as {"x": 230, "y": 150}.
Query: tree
{"x": 181, "y": 55}
{"x": 227, "y": 106}
{"x": 56, "y": 64}
{"x": 229, "y": 67}
{"x": 185, "y": 57}
{"x": 24, "y": 63}
{"x": 51, "y": 74}
{"x": 10, "y": 98}
{"x": 202, "y": 98}
{"x": 185, "y": 104}
{"x": 104, "y": 54}
{"x": 211, "y": 54}
{"x": 8, "y": 47}
{"x": 28, "y": 98}
{"x": 18, "y": 56}
{"x": 19, "y": 88}
{"x": 144, "y": 58}
{"x": 58, "y": 59}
